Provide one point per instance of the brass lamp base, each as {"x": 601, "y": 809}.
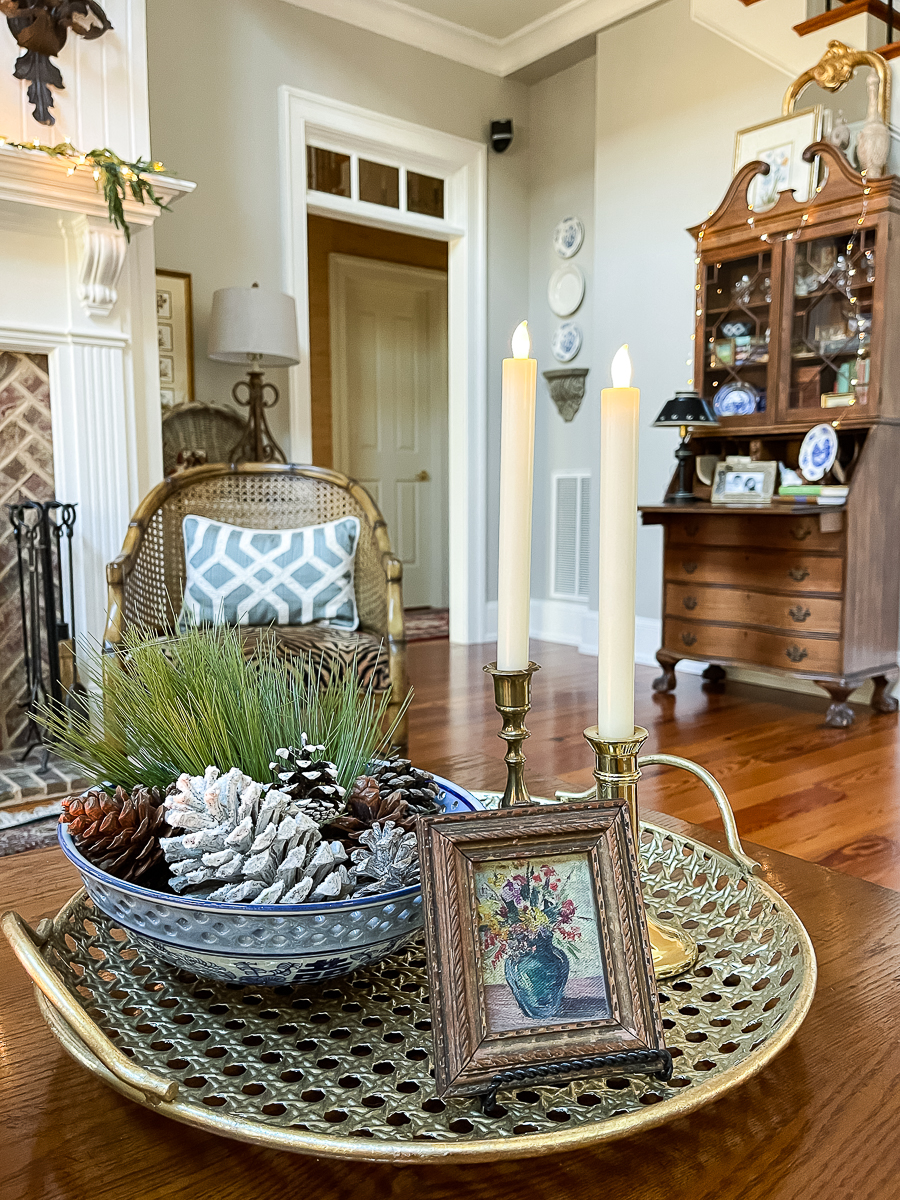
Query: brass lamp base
{"x": 617, "y": 773}
{"x": 512, "y": 696}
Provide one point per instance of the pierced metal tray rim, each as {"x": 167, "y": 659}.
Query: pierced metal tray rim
{"x": 504, "y": 1146}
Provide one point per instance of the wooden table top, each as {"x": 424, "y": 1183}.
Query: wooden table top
{"x": 819, "y": 1122}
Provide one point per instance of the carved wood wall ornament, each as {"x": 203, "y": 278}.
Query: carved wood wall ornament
{"x": 41, "y": 27}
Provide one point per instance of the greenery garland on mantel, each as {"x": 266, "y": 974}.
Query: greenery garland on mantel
{"x": 116, "y": 176}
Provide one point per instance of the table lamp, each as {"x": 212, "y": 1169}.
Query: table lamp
{"x": 256, "y": 327}
{"x": 687, "y": 410}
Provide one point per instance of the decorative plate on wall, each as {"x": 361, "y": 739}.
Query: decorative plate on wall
{"x": 818, "y": 452}
{"x": 565, "y": 290}
{"x": 568, "y": 236}
{"x": 566, "y": 341}
{"x": 736, "y": 400}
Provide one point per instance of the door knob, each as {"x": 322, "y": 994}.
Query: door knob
{"x": 423, "y": 477}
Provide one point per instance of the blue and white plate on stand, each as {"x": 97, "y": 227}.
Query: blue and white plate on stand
{"x": 736, "y": 400}
{"x": 566, "y": 341}
{"x": 818, "y": 452}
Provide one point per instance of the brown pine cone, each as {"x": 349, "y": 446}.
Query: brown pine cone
{"x": 365, "y": 806}
{"x": 119, "y": 834}
{"x": 417, "y": 787}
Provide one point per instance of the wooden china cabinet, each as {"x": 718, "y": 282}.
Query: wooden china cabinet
{"x": 800, "y": 301}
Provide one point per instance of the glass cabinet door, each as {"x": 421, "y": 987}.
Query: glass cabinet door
{"x": 831, "y": 327}
{"x": 737, "y": 330}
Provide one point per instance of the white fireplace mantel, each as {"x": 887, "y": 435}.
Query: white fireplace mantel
{"x": 74, "y": 288}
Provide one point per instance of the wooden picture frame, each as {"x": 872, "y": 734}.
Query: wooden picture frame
{"x": 495, "y": 962}
{"x": 175, "y": 337}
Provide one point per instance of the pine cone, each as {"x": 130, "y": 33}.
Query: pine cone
{"x": 417, "y": 787}
{"x": 237, "y": 843}
{"x": 309, "y": 779}
{"x": 119, "y": 834}
{"x": 385, "y": 861}
{"x": 366, "y": 806}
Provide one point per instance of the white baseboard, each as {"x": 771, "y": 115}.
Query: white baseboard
{"x": 558, "y": 621}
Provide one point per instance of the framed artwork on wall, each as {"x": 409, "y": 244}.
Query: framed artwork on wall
{"x": 780, "y": 144}
{"x": 538, "y": 954}
{"x": 175, "y": 337}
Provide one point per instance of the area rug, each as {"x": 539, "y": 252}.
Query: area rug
{"x": 427, "y": 624}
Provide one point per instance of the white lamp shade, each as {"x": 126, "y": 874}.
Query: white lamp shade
{"x": 253, "y": 321}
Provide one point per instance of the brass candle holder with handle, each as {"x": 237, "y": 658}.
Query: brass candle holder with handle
{"x": 617, "y": 770}
{"x": 512, "y": 696}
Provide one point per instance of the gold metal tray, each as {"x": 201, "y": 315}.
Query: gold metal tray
{"x": 343, "y": 1069}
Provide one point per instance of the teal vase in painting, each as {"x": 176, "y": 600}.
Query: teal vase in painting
{"x": 537, "y": 975}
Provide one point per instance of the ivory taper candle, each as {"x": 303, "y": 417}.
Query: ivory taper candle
{"x": 619, "y": 411}
{"x": 516, "y": 487}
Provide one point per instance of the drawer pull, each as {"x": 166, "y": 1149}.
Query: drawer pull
{"x": 798, "y": 574}
{"x": 690, "y": 567}
{"x": 800, "y": 532}
{"x": 799, "y": 613}
{"x": 690, "y": 638}
{"x": 690, "y": 603}
{"x": 692, "y": 530}
{"x": 796, "y": 654}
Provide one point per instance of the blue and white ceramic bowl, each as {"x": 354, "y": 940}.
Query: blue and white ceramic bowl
{"x": 264, "y": 944}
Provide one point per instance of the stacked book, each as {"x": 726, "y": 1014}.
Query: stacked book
{"x": 813, "y": 493}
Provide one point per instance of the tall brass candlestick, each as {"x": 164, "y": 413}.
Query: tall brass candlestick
{"x": 617, "y": 773}
{"x": 512, "y": 696}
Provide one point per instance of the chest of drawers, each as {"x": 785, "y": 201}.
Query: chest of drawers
{"x": 796, "y": 592}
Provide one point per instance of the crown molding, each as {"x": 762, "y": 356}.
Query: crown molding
{"x": 497, "y": 56}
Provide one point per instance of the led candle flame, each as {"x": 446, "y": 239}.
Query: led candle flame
{"x": 621, "y": 370}
{"x": 619, "y": 410}
{"x": 521, "y": 341}
{"x": 516, "y": 477}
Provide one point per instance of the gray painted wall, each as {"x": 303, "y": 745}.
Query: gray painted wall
{"x": 215, "y": 69}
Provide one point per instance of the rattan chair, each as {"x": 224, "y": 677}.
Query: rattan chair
{"x": 146, "y": 581}
{"x": 198, "y": 426}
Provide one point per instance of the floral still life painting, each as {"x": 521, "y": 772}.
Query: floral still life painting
{"x": 541, "y": 952}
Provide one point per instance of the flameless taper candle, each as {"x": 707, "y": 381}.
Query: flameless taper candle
{"x": 619, "y": 411}
{"x": 516, "y": 487}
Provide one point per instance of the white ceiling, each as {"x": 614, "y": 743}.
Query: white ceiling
{"x": 497, "y": 36}
{"x": 493, "y": 18}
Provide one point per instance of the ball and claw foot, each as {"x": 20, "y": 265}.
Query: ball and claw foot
{"x": 667, "y": 681}
{"x": 714, "y": 678}
{"x": 840, "y": 715}
{"x": 882, "y": 699}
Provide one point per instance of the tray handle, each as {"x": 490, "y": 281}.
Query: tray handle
{"x": 25, "y": 945}
{"x": 732, "y": 837}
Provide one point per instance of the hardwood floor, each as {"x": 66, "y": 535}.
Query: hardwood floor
{"x": 826, "y": 795}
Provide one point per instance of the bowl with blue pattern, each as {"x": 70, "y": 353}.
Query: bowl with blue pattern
{"x": 264, "y": 944}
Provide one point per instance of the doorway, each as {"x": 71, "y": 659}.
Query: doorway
{"x": 389, "y": 407}
{"x": 379, "y": 295}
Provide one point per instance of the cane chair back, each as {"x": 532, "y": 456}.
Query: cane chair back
{"x": 270, "y": 500}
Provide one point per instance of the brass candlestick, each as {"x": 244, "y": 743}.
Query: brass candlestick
{"x": 617, "y": 773}
{"x": 512, "y": 696}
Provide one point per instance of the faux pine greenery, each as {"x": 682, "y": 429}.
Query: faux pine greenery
{"x": 194, "y": 700}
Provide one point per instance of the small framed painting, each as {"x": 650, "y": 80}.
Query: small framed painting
{"x": 537, "y": 942}
{"x": 175, "y": 337}
{"x": 780, "y": 144}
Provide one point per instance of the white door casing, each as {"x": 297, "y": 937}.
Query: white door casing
{"x": 308, "y": 119}
{"x": 389, "y": 406}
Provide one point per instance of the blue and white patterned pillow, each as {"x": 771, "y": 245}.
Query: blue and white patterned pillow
{"x": 270, "y": 576}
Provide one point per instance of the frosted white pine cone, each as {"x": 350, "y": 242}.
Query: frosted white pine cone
{"x": 386, "y": 861}
{"x": 244, "y": 845}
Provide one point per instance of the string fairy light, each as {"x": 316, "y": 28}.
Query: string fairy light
{"x": 119, "y": 179}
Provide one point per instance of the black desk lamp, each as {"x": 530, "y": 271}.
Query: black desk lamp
{"x": 687, "y": 410}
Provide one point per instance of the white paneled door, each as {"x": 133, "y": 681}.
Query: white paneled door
{"x": 389, "y": 394}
